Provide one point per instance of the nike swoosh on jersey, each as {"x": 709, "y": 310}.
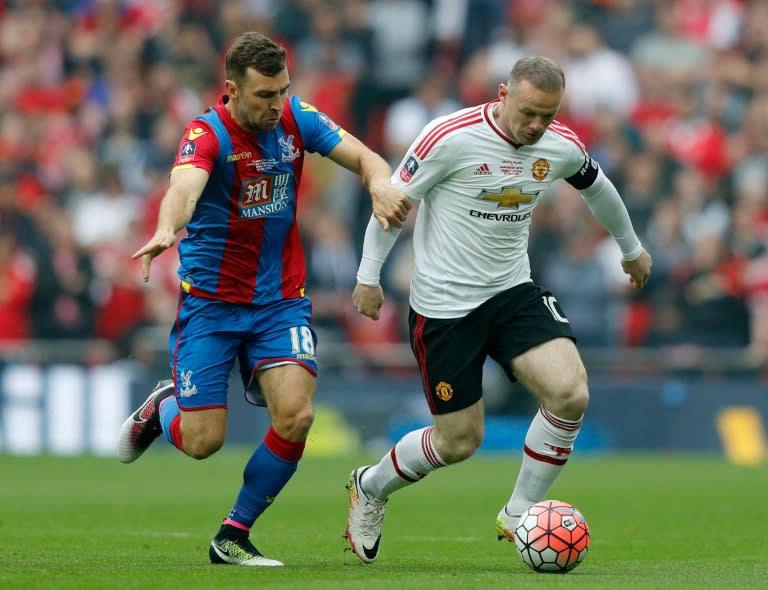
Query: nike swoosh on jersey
{"x": 195, "y": 133}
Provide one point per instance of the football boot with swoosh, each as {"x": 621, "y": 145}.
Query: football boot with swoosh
{"x": 366, "y": 515}
{"x": 143, "y": 426}
{"x": 232, "y": 546}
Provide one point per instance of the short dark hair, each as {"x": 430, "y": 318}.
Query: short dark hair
{"x": 254, "y": 50}
{"x": 540, "y": 71}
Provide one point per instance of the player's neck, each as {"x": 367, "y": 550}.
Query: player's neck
{"x": 497, "y": 119}
{"x": 234, "y": 113}
{"x": 229, "y": 105}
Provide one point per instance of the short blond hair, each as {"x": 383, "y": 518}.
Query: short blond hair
{"x": 540, "y": 71}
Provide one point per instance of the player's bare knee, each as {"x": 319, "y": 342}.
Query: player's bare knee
{"x": 580, "y": 400}
{"x": 459, "y": 446}
{"x": 577, "y": 397}
{"x": 459, "y": 451}
{"x": 295, "y": 426}
{"x": 568, "y": 402}
{"x": 303, "y": 422}
{"x": 571, "y": 406}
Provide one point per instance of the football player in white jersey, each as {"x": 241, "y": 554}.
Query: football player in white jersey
{"x": 478, "y": 174}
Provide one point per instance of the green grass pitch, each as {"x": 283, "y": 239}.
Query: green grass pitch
{"x": 657, "y": 521}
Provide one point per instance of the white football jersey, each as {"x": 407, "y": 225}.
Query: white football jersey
{"x": 477, "y": 191}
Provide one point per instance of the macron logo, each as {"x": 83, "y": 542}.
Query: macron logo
{"x": 482, "y": 170}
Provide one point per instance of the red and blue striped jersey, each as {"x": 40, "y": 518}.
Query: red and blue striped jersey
{"x": 242, "y": 244}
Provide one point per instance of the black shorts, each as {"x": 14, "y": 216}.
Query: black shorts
{"x": 451, "y": 352}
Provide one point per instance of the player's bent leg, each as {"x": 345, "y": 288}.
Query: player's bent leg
{"x": 413, "y": 457}
{"x": 288, "y": 391}
{"x": 554, "y": 373}
{"x": 142, "y": 427}
{"x": 203, "y": 431}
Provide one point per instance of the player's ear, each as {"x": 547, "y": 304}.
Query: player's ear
{"x": 503, "y": 90}
{"x": 232, "y": 89}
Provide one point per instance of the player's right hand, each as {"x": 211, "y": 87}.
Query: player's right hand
{"x": 159, "y": 243}
{"x": 368, "y": 300}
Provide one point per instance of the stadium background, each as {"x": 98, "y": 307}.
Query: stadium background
{"x": 671, "y": 97}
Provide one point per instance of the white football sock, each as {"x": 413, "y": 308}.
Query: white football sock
{"x": 548, "y": 444}
{"x": 410, "y": 460}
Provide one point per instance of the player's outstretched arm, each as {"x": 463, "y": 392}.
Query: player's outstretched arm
{"x": 390, "y": 204}
{"x": 176, "y": 209}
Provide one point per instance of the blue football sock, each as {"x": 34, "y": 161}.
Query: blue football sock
{"x": 264, "y": 476}
{"x": 169, "y": 409}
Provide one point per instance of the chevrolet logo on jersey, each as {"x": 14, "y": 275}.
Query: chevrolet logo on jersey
{"x": 508, "y": 197}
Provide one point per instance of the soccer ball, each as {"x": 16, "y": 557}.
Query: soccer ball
{"x": 552, "y": 536}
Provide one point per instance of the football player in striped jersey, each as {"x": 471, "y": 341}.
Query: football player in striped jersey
{"x": 234, "y": 187}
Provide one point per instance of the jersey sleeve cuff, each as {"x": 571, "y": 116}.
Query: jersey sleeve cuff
{"x": 633, "y": 254}
{"x": 369, "y": 271}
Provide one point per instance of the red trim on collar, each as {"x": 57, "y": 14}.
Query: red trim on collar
{"x": 488, "y": 113}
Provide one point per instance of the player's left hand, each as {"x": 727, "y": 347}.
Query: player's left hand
{"x": 638, "y": 269}
{"x": 368, "y": 300}
{"x": 390, "y": 204}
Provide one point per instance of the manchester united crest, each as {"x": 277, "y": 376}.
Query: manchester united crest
{"x": 540, "y": 169}
{"x": 444, "y": 391}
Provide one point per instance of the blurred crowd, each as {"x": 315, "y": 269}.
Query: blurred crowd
{"x": 670, "y": 96}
